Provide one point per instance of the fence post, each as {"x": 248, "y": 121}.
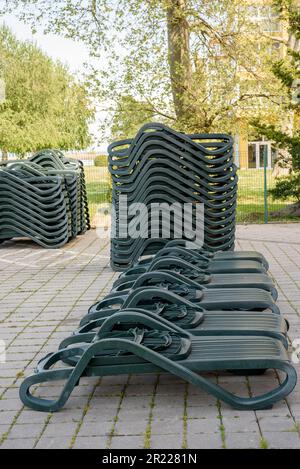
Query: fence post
{"x": 266, "y": 214}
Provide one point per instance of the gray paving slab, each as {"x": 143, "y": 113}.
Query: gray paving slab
{"x": 43, "y": 296}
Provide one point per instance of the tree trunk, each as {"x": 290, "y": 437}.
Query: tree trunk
{"x": 179, "y": 56}
{"x": 4, "y": 155}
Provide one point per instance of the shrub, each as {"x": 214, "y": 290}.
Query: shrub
{"x": 287, "y": 187}
{"x": 101, "y": 161}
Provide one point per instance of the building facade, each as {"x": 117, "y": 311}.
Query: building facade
{"x": 252, "y": 154}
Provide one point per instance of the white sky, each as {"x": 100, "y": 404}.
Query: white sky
{"x": 70, "y": 52}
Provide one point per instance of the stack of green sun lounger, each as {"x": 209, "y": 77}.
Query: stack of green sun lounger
{"x": 161, "y": 165}
{"x": 178, "y": 316}
{"x": 44, "y": 199}
{"x": 54, "y": 162}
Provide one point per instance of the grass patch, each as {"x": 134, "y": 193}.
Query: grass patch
{"x": 221, "y": 426}
{"x": 98, "y": 185}
{"x": 263, "y": 444}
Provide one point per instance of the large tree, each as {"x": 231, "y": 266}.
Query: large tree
{"x": 43, "y": 106}
{"x": 198, "y": 64}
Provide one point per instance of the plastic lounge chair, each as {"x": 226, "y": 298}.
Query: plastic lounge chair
{"x": 199, "y": 322}
{"x": 236, "y": 255}
{"x": 163, "y": 348}
{"x": 156, "y": 299}
{"x": 196, "y": 270}
{"x": 194, "y": 257}
{"x": 190, "y": 143}
{"x": 150, "y": 246}
{"x": 155, "y": 278}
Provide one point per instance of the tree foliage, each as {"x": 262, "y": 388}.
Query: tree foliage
{"x": 200, "y": 65}
{"x": 287, "y": 187}
{"x": 287, "y": 71}
{"x": 44, "y": 106}
{"x": 129, "y": 116}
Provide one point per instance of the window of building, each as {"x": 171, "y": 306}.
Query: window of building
{"x": 252, "y": 155}
{"x": 261, "y": 152}
{"x": 266, "y": 17}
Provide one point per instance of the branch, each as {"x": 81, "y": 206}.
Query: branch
{"x": 227, "y": 46}
{"x": 93, "y": 11}
{"x": 156, "y": 111}
{"x": 245, "y": 97}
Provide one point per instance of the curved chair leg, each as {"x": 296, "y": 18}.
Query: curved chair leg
{"x": 274, "y": 293}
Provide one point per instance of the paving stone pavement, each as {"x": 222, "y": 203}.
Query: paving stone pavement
{"x": 43, "y": 295}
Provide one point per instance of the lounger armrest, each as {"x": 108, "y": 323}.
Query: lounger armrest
{"x": 169, "y": 276}
{"x": 166, "y": 262}
{"x": 133, "y": 316}
{"x": 76, "y": 338}
{"x": 148, "y": 293}
{"x": 173, "y": 251}
{"x": 107, "y": 302}
{"x": 185, "y": 245}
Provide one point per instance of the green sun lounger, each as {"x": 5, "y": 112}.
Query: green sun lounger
{"x": 200, "y": 322}
{"x": 262, "y": 281}
{"x": 193, "y": 255}
{"x": 223, "y": 255}
{"x": 194, "y": 270}
{"x": 154, "y": 299}
{"x": 155, "y": 348}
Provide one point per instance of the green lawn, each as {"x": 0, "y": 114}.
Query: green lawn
{"x": 98, "y": 187}
{"x": 250, "y": 198}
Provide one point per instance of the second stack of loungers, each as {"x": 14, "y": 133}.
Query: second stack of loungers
{"x": 43, "y": 198}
